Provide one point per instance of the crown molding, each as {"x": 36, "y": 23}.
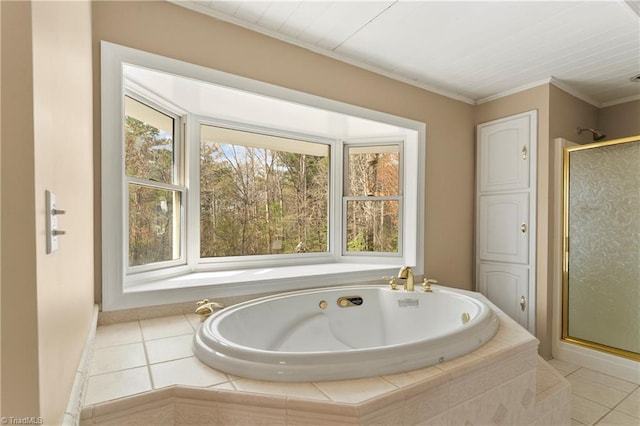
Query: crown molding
{"x": 513, "y": 91}
{"x": 621, "y": 101}
{"x": 562, "y": 86}
{"x": 573, "y": 91}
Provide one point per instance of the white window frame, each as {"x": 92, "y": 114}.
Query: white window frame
{"x": 133, "y": 91}
{"x": 197, "y": 279}
{"x": 372, "y": 142}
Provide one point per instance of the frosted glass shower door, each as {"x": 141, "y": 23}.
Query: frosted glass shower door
{"x": 602, "y": 246}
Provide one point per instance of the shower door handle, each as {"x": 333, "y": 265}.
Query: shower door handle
{"x": 523, "y": 303}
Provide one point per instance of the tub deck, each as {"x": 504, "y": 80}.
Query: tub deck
{"x": 144, "y": 371}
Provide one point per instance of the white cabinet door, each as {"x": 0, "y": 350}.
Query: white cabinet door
{"x": 506, "y": 214}
{"x": 507, "y": 286}
{"x": 504, "y": 152}
{"x": 503, "y": 227}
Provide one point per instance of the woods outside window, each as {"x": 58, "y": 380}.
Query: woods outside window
{"x": 259, "y": 194}
{"x": 155, "y": 224}
{"x": 262, "y": 194}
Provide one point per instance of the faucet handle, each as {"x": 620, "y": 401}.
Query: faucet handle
{"x": 393, "y": 282}
{"x": 426, "y": 285}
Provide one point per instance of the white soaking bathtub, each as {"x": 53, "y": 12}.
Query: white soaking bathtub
{"x": 312, "y": 336}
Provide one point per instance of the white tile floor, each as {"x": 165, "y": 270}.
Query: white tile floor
{"x": 599, "y": 399}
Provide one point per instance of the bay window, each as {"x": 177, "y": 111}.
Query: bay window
{"x": 214, "y": 185}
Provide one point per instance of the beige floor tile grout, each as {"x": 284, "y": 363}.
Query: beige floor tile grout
{"x": 603, "y": 416}
{"x": 146, "y": 357}
{"x": 170, "y": 360}
{"x": 168, "y": 337}
{"x": 321, "y": 391}
{"x": 228, "y": 381}
{"x": 99, "y": 348}
{"x": 118, "y": 371}
{"x": 609, "y": 410}
{"x": 621, "y": 401}
{"x": 389, "y": 382}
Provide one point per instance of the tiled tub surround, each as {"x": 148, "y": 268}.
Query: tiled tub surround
{"x": 143, "y": 372}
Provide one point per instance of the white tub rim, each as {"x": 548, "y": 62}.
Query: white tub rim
{"x": 270, "y": 365}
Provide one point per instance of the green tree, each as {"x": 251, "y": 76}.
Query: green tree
{"x": 149, "y": 156}
{"x": 258, "y": 201}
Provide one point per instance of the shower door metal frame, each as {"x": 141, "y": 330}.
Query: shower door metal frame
{"x": 565, "y": 251}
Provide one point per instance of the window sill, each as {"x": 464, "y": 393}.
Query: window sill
{"x": 197, "y": 285}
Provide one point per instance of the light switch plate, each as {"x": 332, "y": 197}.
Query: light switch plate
{"x": 52, "y": 222}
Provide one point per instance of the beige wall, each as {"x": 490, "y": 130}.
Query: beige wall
{"x": 567, "y": 113}
{"x": 47, "y": 299}
{"x": 536, "y": 98}
{"x": 205, "y": 41}
{"x": 620, "y": 121}
{"x": 19, "y": 313}
{"x": 0, "y": 217}
{"x": 63, "y": 134}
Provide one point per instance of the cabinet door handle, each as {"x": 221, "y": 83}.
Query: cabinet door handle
{"x": 524, "y": 152}
{"x": 523, "y": 303}
{"x": 523, "y": 228}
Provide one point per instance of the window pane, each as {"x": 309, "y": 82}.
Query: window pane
{"x": 261, "y": 194}
{"x": 372, "y": 226}
{"x": 373, "y": 170}
{"x": 149, "y": 143}
{"x": 154, "y": 224}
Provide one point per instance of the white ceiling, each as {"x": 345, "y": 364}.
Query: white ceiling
{"x": 473, "y": 51}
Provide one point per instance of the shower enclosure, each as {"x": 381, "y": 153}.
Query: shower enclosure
{"x": 601, "y": 246}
